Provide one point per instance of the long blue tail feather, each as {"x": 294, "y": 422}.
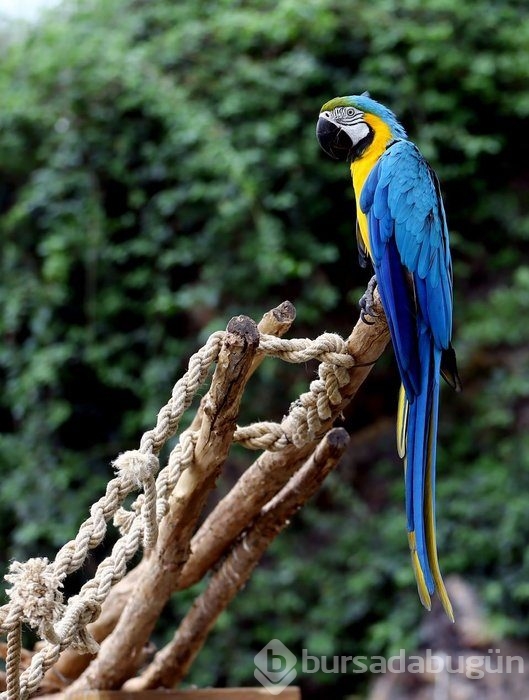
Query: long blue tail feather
{"x": 420, "y": 451}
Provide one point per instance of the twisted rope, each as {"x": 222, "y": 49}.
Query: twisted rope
{"x": 36, "y": 597}
{"x": 329, "y": 347}
{"x": 14, "y": 649}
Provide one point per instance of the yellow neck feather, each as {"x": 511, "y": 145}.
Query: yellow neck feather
{"x": 361, "y": 167}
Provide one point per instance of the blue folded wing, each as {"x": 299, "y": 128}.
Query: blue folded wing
{"x": 406, "y": 219}
{"x": 409, "y": 245}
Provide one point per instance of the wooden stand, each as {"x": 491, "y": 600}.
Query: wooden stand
{"x": 289, "y": 693}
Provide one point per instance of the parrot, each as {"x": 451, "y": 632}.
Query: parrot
{"x": 401, "y": 228}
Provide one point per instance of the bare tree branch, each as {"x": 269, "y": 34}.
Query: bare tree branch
{"x": 172, "y": 663}
{"x": 271, "y": 470}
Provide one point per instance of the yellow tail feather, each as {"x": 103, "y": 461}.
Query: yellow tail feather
{"x": 424, "y": 595}
{"x": 431, "y": 544}
{"x": 402, "y": 422}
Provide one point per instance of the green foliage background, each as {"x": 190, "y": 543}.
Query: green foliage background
{"x": 159, "y": 174}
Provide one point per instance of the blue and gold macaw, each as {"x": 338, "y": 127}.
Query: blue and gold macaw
{"x": 401, "y": 227}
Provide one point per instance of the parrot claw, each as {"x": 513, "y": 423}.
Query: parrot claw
{"x": 367, "y": 302}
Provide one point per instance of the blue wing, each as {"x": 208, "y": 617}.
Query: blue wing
{"x": 409, "y": 245}
{"x": 402, "y": 201}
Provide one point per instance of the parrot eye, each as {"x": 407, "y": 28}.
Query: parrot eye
{"x": 347, "y": 115}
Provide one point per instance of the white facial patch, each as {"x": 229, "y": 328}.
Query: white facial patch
{"x": 356, "y": 132}
{"x": 350, "y": 120}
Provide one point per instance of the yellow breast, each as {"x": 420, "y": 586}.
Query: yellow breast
{"x": 361, "y": 168}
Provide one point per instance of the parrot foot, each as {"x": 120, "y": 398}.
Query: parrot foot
{"x": 367, "y": 302}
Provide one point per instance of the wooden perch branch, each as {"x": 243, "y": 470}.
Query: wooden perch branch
{"x": 272, "y": 470}
{"x": 120, "y": 654}
{"x": 171, "y": 664}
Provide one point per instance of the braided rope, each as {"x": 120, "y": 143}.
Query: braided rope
{"x": 36, "y": 597}
{"x": 14, "y": 649}
{"x": 329, "y": 347}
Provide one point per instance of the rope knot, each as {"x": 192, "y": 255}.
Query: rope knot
{"x": 84, "y": 612}
{"x": 35, "y": 592}
{"x": 137, "y": 466}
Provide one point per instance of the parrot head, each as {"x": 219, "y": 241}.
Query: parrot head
{"x": 347, "y": 126}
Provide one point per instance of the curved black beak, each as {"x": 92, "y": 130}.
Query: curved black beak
{"x": 334, "y": 141}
